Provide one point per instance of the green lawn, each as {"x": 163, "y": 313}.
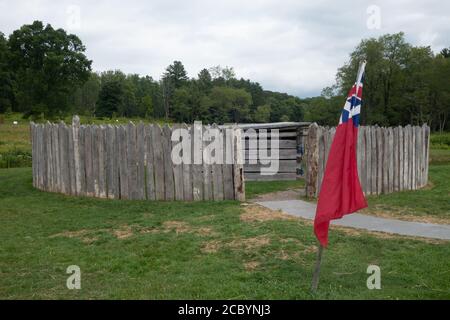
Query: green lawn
{"x": 431, "y": 203}
{"x": 154, "y": 250}
{"x": 255, "y": 188}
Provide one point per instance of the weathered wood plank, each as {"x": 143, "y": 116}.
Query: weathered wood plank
{"x": 228, "y": 188}
{"x": 82, "y": 153}
{"x": 34, "y": 155}
{"x": 132, "y": 161}
{"x": 368, "y": 133}
{"x": 282, "y": 143}
{"x": 385, "y": 161}
{"x": 73, "y": 187}
{"x": 287, "y": 166}
{"x": 49, "y": 156}
{"x": 266, "y": 154}
{"x": 76, "y": 154}
{"x": 378, "y": 149}
{"x": 202, "y": 187}
{"x": 374, "y": 160}
{"x": 140, "y": 158}
{"x": 112, "y": 163}
{"x": 359, "y": 156}
{"x": 362, "y": 156}
{"x": 417, "y": 156}
{"x": 238, "y": 170}
{"x": 100, "y": 138}
{"x": 312, "y": 156}
{"x": 158, "y": 161}
{"x": 57, "y": 157}
{"x": 44, "y": 162}
{"x": 149, "y": 163}
{"x": 95, "y": 160}
{"x": 395, "y": 159}
{"x": 168, "y": 164}
{"x": 88, "y": 163}
{"x": 321, "y": 131}
{"x": 424, "y": 155}
{"x": 391, "y": 159}
{"x": 64, "y": 163}
{"x": 217, "y": 173}
{"x": 177, "y": 167}
{"x": 123, "y": 161}
{"x": 407, "y": 155}
{"x": 427, "y": 152}
{"x": 197, "y": 168}
{"x": 187, "y": 165}
{"x": 401, "y": 177}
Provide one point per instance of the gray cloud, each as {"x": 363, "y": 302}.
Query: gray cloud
{"x": 289, "y": 46}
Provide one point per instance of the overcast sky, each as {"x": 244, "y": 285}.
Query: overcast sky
{"x": 290, "y": 46}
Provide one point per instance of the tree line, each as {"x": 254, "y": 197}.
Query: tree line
{"x": 44, "y": 73}
{"x": 404, "y": 84}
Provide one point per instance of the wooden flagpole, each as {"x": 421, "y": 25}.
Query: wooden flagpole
{"x": 316, "y": 274}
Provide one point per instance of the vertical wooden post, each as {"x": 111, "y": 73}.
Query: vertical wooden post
{"x": 427, "y": 152}
{"x": 312, "y": 159}
{"x": 123, "y": 165}
{"x": 156, "y": 138}
{"x": 379, "y": 151}
{"x": 187, "y": 167}
{"x": 76, "y": 153}
{"x": 321, "y": 141}
{"x": 150, "y": 165}
{"x": 362, "y": 153}
{"x": 373, "y": 154}
{"x": 316, "y": 274}
{"x": 228, "y": 189}
{"x": 177, "y": 168}
{"x": 131, "y": 160}
{"x": 168, "y": 165}
{"x": 369, "y": 159}
{"x": 238, "y": 167}
{"x": 140, "y": 159}
{"x": 197, "y": 167}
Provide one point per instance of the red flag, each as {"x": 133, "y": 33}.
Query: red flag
{"x": 341, "y": 191}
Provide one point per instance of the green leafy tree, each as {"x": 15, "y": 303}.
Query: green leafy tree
{"x": 110, "y": 99}
{"x": 6, "y": 77}
{"x": 48, "y": 65}
{"x": 177, "y": 74}
{"x": 228, "y": 104}
{"x": 262, "y": 114}
{"x": 204, "y": 81}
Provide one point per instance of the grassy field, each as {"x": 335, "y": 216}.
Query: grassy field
{"x": 215, "y": 250}
{"x": 430, "y": 204}
{"x": 255, "y": 188}
{"x": 144, "y": 250}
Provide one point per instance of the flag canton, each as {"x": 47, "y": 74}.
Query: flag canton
{"x": 352, "y": 107}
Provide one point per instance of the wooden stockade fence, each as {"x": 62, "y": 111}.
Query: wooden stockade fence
{"x": 389, "y": 159}
{"x": 131, "y": 162}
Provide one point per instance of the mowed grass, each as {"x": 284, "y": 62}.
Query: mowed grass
{"x": 204, "y": 250}
{"x": 255, "y": 188}
{"x": 431, "y": 203}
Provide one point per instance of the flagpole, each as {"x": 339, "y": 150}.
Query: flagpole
{"x": 316, "y": 274}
